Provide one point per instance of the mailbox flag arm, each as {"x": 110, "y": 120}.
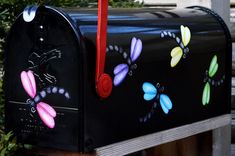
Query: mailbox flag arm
{"x": 103, "y": 80}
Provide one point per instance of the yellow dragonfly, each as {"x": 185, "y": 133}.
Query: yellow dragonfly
{"x": 181, "y": 49}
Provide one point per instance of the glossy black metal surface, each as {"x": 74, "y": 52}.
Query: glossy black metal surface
{"x": 98, "y": 122}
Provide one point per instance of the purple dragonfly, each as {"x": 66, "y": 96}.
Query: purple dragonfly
{"x": 121, "y": 70}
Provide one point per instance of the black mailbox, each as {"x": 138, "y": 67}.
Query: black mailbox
{"x": 168, "y": 68}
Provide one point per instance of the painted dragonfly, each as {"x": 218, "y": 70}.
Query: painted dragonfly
{"x": 181, "y": 49}
{"x": 151, "y": 92}
{"x": 45, "y": 111}
{"x": 121, "y": 70}
{"x": 213, "y": 68}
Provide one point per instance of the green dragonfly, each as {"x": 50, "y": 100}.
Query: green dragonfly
{"x": 209, "y": 74}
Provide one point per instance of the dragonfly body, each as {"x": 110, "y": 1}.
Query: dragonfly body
{"x": 49, "y": 90}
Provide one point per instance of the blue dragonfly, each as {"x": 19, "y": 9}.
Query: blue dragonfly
{"x": 155, "y": 93}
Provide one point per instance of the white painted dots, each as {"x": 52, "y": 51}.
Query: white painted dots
{"x": 41, "y": 39}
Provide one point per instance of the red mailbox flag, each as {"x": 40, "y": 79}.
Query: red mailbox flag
{"x": 103, "y": 80}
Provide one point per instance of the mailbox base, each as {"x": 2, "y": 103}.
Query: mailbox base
{"x": 221, "y": 137}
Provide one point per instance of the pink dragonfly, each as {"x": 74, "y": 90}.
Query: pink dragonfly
{"x": 45, "y": 111}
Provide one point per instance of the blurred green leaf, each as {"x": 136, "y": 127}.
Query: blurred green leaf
{"x": 3, "y": 152}
{"x": 8, "y": 144}
{"x": 11, "y": 146}
{"x": 7, "y": 136}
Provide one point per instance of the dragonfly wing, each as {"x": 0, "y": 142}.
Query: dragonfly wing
{"x": 137, "y": 49}
{"x": 150, "y": 91}
{"x": 213, "y": 66}
{"x": 119, "y": 68}
{"x": 133, "y": 42}
{"x": 165, "y": 110}
{"x": 29, "y": 13}
{"x": 48, "y": 108}
{"x": 149, "y": 96}
{"x": 212, "y": 73}
{"x": 45, "y": 116}
{"x": 185, "y": 35}
{"x": 120, "y": 72}
{"x": 32, "y": 80}
{"x": 206, "y": 94}
{"x": 165, "y": 103}
{"x": 176, "y": 55}
{"x": 28, "y": 83}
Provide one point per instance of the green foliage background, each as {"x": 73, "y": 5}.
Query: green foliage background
{"x": 9, "y": 9}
